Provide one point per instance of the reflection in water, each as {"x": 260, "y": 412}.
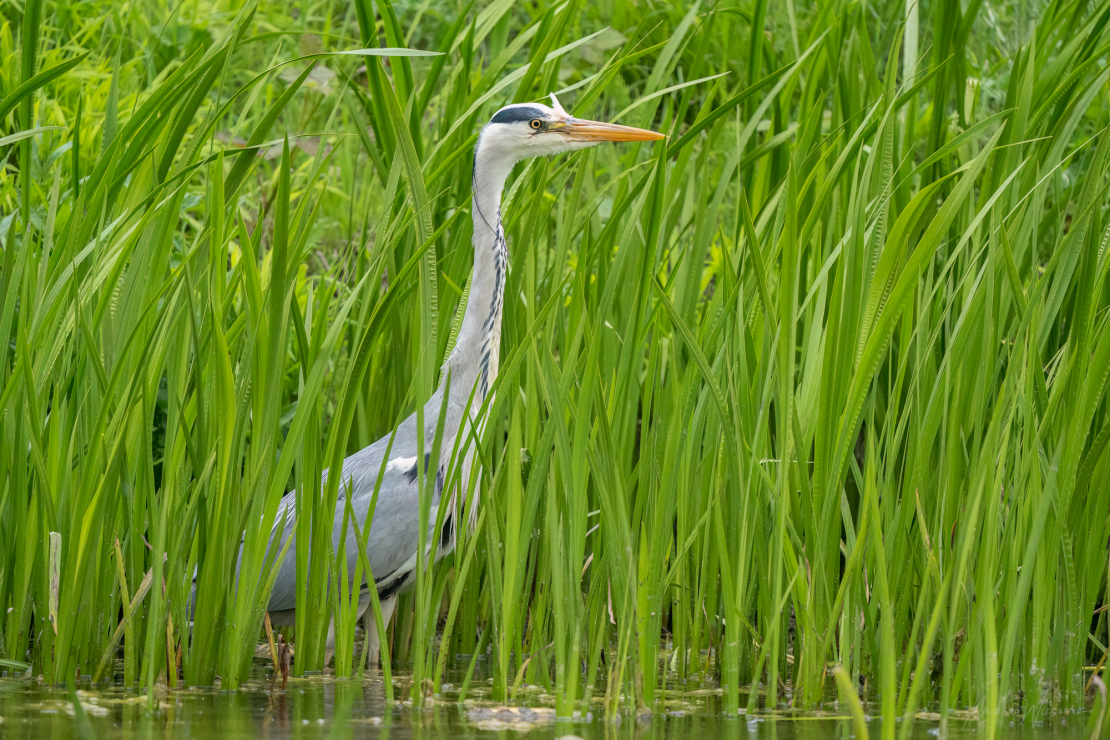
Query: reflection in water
{"x": 324, "y": 707}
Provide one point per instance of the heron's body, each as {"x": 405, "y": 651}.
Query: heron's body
{"x": 514, "y": 133}
{"x": 394, "y": 531}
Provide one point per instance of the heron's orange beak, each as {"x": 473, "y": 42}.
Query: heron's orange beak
{"x": 598, "y": 131}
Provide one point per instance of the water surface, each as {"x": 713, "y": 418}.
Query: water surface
{"x": 326, "y": 707}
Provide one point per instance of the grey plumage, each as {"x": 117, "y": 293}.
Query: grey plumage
{"x": 393, "y": 534}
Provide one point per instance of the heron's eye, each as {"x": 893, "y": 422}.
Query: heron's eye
{"x": 536, "y": 124}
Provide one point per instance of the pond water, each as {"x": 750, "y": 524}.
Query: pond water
{"x": 326, "y": 707}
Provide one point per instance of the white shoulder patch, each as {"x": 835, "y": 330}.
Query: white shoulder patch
{"x": 400, "y": 463}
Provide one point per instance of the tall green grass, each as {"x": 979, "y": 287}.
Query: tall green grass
{"x": 817, "y": 381}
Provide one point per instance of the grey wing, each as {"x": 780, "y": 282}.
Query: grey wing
{"x": 394, "y": 531}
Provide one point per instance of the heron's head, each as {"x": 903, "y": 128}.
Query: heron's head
{"x": 531, "y": 130}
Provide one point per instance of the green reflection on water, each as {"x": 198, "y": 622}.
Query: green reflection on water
{"x": 325, "y": 707}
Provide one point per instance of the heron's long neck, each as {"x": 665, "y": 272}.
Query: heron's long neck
{"x": 474, "y": 361}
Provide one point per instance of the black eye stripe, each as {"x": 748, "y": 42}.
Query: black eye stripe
{"x": 516, "y": 114}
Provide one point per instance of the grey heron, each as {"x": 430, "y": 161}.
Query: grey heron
{"x": 514, "y": 133}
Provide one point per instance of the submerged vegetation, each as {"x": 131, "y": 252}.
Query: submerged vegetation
{"x": 817, "y": 381}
